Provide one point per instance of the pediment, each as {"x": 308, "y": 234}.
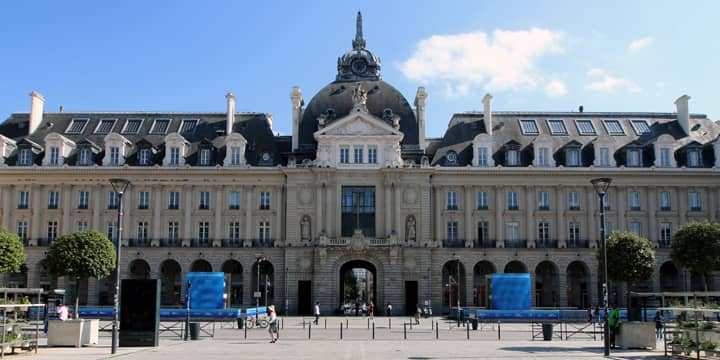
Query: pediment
{"x": 359, "y": 124}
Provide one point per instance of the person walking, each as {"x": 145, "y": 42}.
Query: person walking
{"x": 418, "y": 312}
{"x": 272, "y": 324}
{"x": 371, "y": 310}
{"x": 388, "y": 310}
{"x": 614, "y": 324}
{"x": 316, "y": 312}
{"x": 658, "y": 324}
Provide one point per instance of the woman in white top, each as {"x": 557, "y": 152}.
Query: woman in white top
{"x": 272, "y": 324}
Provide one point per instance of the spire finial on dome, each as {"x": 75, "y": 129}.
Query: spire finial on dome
{"x": 359, "y": 42}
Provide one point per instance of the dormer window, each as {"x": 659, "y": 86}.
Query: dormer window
{"x": 604, "y": 157}
{"x": 25, "y": 157}
{"x": 235, "y": 155}
{"x": 145, "y": 157}
{"x": 160, "y": 126}
{"x": 634, "y": 157}
{"x": 188, "y": 126}
{"x": 132, "y": 126}
{"x": 585, "y": 127}
{"x": 114, "y": 156}
{"x": 613, "y": 127}
{"x": 557, "y": 127}
{"x": 694, "y": 157}
{"x": 483, "y": 156}
{"x": 85, "y": 157}
{"x": 54, "y": 156}
{"x": 76, "y": 126}
{"x": 665, "y": 154}
{"x": 512, "y": 157}
{"x": 572, "y": 157}
{"x": 205, "y": 155}
{"x": 529, "y": 127}
{"x": 174, "y": 156}
{"x": 105, "y": 126}
{"x": 640, "y": 126}
{"x": 543, "y": 157}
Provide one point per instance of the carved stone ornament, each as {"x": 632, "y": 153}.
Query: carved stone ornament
{"x": 357, "y": 242}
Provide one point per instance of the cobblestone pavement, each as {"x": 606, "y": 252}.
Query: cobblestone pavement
{"x": 393, "y": 340}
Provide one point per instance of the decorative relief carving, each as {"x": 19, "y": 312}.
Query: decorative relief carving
{"x": 305, "y": 196}
{"x": 410, "y": 196}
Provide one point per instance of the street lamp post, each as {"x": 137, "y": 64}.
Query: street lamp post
{"x": 260, "y": 259}
{"x": 457, "y": 281}
{"x": 601, "y": 186}
{"x": 119, "y": 186}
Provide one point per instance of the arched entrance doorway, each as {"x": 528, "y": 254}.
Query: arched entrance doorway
{"x": 453, "y": 278}
{"x": 139, "y": 270}
{"x": 670, "y": 277}
{"x": 170, "y": 281}
{"x": 515, "y": 267}
{"x": 201, "y": 266}
{"x": 266, "y": 277}
{"x": 358, "y": 286}
{"x": 547, "y": 285}
{"x": 578, "y": 280}
{"x": 481, "y": 274}
{"x": 234, "y": 281}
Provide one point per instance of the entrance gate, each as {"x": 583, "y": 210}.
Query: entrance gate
{"x": 358, "y": 284}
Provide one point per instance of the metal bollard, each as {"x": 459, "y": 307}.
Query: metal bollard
{"x": 303, "y": 324}
{"x": 389, "y": 323}
{"x": 498, "y": 330}
{"x": 326, "y": 323}
{"x": 467, "y": 328}
{"x": 373, "y": 330}
{"x": 405, "y": 331}
{"x": 347, "y": 324}
{"x": 282, "y": 323}
{"x": 411, "y": 322}
{"x": 309, "y": 330}
{"x": 368, "y": 323}
{"x": 432, "y": 325}
{"x": 341, "y": 330}
{"x": 245, "y": 327}
{"x": 437, "y": 331}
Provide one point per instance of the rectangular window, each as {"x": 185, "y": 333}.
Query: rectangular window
{"x": 76, "y": 126}
{"x": 513, "y": 158}
{"x": 23, "y": 199}
{"x": 160, "y": 126}
{"x": 635, "y": 227}
{"x": 264, "y": 231}
{"x": 188, "y": 125}
{"x": 372, "y": 155}
{"x": 174, "y": 200}
{"x": 235, "y": 155}
{"x": 204, "y": 200}
{"x": 234, "y": 200}
{"x": 482, "y": 200}
{"x": 529, "y": 127}
{"x": 53, "y": 199}
{"x": 83, "y": 199}
{"x": 132, "y": 126}
{"x": 695, "y": 201}
{"x": 572, "y": 157}
{"x": 112, "y": 200}
{"x": 358, "y": 155}
{"x": 234, "y": 230}
{"x": 142, "y": 230}
{"x": 81, "y": 225}
{"x": 25, "y": 157}
{"x": 52, "y": 230}
{"x": 358, "y": 210}
{"x": 114, "y": 156}
{"x": 112, "y": 230}
{"x": 557, "y": 127}
{"x": 22, "y": 231}
{"x": 54, "y": 156}
{"x": 543, "y": 157}
{"x": 634, "y": 158}
{"x": 452, "y": 200}
{"x": 585, "y": 127}
{"x": 173, "y": 230}
{"x": 512, "y": 231}
{"x": 613, "y": 127}
{"x": 640, "y": 127}
{"x": 174, "y": 155}
{"x": 85, "y": 157}
{"x": 665, "y": 201}
{"x": 145, "y": 157}
{"x": 543, "y": 200}
{"x": 666, "y": 232}
{"x": 543, "y": 232}
{"x": 665, "y": 157}
{"x": 573, "y": 200}
{"x": 483, "y": 231}
{"x": 452, "y": 231}
{"x": 693, "y": 158}
{"x": 512, "y": 200}
{"x": 105, "y": 126}
{"x": 205, "y": 157}
{"x": 344, "y": 155}
{"x": 482, "y": 156}
{"x": 574, "y": 232}
{"x": 264, "y": 200}
{"x": 203, "y": 231}
{"x": 604, "y": 156}
{"x": 143, "y": 200}
{"x": 634, "y": 200}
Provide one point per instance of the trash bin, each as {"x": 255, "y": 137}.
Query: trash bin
{"x": 547, "y": 330}
{"x": 241, "y": 322}
{"x": 194, "y": 331}
{"x": 474, "y": 323}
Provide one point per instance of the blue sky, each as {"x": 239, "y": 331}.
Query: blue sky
{"x": 530, "y": 55}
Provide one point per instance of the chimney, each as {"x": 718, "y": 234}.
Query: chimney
{"x": 580, "y": 108}
{"x": 62, "y": 109}
{"x": 420, "y": 99}
{"x": 683, "y": 113}
{"x": 297, "y": 108}
{"x": 487, "y": 113}
{"x": 230, "y": 113}
{"x": 37, "y": 103}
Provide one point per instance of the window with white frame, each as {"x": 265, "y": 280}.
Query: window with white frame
{"x": 174, "y": 155}
{"x": 635, "y": 228}
{"x": 52, "y": 230}
{"x": 188, "y": 126}
{"x": 112, "y": 200}
{"x": 264, "y": 231}
{"x": 640, "y": 126}
{"x": 234, "y": 202}
{"x": 482, "y": 200}
{"x": 205, "y": 155}
{"x": 132, "y": 126}
{"x": 665, "y": 201}
{"x": 173, "y": 230}
{"x": 512, "y": 200}
{"x": 25, "y": 157}
{"x": 543, "y": 198}
{"x": 142, "y": 230}
{"x": 573, "y": 200}
{"x": 557, "y": 127}
{"x": 114, "y": 156}
{"x": 174, "y": 200}
{"x": 23, "y": 199}
{"x": 83, "y": 199}
{"x": 105, "y": 126}
{"x": 543, "y": 157}
{"x": 574, "y": 232}
{"x": 483, "y": 156}
{"x": 483, "y": 231}
{"x": 81, "y": 225}
{"x": 234, "y": 230}
{"x": 452, "y": 200}
{"x": 358, "y": 155}
{"x": 452, "y": 231}
{"x": 143, "y": 200}
{"x": 160, "y": 126}
{"x": 695, "y": 201}
{"x": 665, "y": 157}
{"x": 604, "y": 156}
{"x": 76, "y": 126}
{"x": 634, "y": 200}
{"x": 544, "y": 232}
{"x": 145, "y": 157}
{"x": 344, "y": 155}
{"x": 203, "y": 231}
{"x": 572, "y": 157}
{"x": 264, "y": 200}
{"x": 512, "y": 231}
{"x": 53, "y": 199}
{"x": 585, "y": 127}
{"x": 529, "y": 127}
{"x": 204, "y": 200}
{"x": 22, "y": 230}
{"x": 693, "y": 158}
{"x": 85, "y": 157}
{"x": 112, "y": 230}
{"x": 513, "y": 157}
{"x": 54, "y": 156}
{"x": 634, "y": 157}
{"x": 235, "y": 157}
{"x": 665, "y": 232}
{"x": 372, "y": 155}
{"x": 613, "y": 127}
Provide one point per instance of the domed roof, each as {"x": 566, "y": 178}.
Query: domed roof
{"x": 358, "y": 63}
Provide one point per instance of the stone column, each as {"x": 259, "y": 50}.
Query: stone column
{"x": 469, "y": 240}
{"x": 388, "y": 207}
{"x": 248, "y": 213}
{"x": 97, "y": 207}
{"x": 399, "y": 227}
{"x": 127, "y": 217}
{"x": 652, "y": 232}
{"x": 35, "y": 232}
{"x": 530, "y": 220}
{"x": 562, "y": 284}
{"x": 438, "y": 214}
{"x": 6, "y": 212}
{"x": 499, "y": 194}
{"x": 682, "y": 201}
{"x": 280, "y": 232}
{"x": 66, "y": 209}
{"x": 593, "y": 232}
{"x": 621, "y": 209}
{"x": 187, "y": 216}
{"x": 561, "y": 222}
{"x": 319, "y": 204}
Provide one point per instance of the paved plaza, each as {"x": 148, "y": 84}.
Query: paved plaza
{"x": 357, "y": 343}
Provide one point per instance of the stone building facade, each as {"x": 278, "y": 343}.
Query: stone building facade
{"x": 357, "y": 185}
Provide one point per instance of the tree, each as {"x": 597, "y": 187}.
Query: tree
{"x": 81, "y": 255}
{"x": 696, "y": 246}
{"x": 11, "y": 252}
{"x": 631, "y": 259}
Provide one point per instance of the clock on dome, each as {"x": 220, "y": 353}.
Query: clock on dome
{"x": 358, "y": 66}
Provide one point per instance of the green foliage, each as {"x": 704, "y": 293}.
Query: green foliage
{"x": 689, "y": 325}
{"x": 11, "y": 252}
{"x": 81, "y": 255}
{"x": 708, "y": 326}
{"x": 630, "y": 258}
{"x": 696, "y": 246}
{"x": 708, "y": 345}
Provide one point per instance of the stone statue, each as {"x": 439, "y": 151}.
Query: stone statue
{"x": 410, "y": 228}
{"x": 359, "y": 97}
{"x": 305, "y": 229}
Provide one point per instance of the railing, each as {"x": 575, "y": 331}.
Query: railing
{"x": 44, "y": 242}
{"x": 378, "y": 242}
{"x": 232, "y": 243}
{"x": 664, "y": 244}
{"x": 200, "y": 243}
{"x": 546, "y": 244}
{"x": 578, "y": 244}
{"x": 338, "y": 241}
{"x": 263, "y": 243}
{"x": 485, "y": 244}
{"x": 516, "y": 244}
{"x": 453, "y": 243}
{"x": 170, "y": 242}
{"x": 138, "y": 242}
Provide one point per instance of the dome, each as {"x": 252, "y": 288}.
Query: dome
{"x": 358, "y": 63}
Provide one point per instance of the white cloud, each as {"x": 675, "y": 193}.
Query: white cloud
{"x": 555, "y": 88}
{"x": 638, "y": 44}
{"x": 608, "y": 83}
{"x": 503, "y": 60}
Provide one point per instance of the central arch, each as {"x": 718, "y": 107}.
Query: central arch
{"x": 365, "y": 289}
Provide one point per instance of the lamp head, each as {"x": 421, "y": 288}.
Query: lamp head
{"x": 601, "y": 185}
{"x": 120, "y": 185}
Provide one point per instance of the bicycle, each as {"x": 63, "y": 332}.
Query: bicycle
{"x": 250, "y": 322}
